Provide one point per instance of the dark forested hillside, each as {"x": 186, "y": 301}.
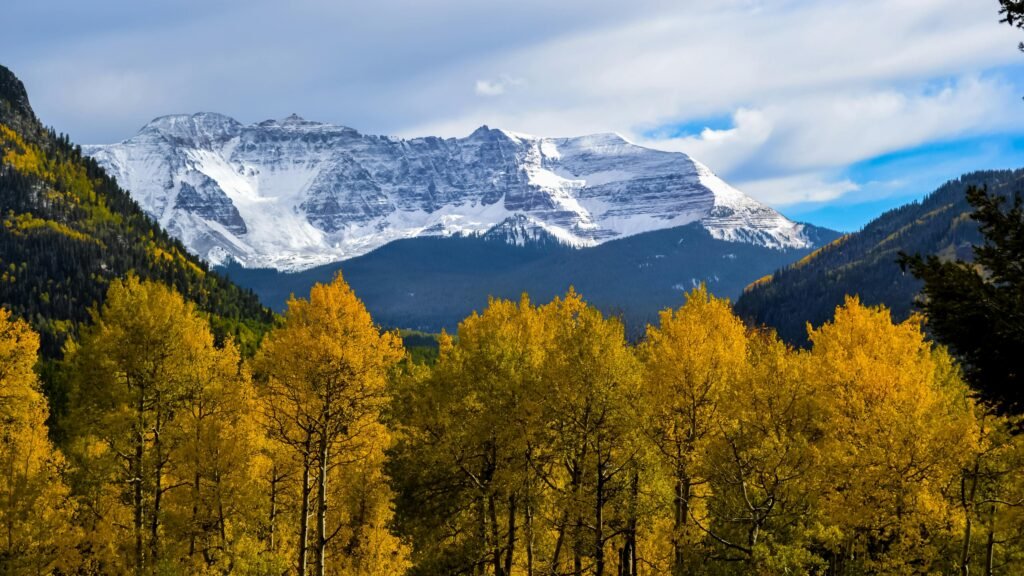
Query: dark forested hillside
{"x": 864, "y": 263}
{"x": 66, "y": 230}
{"x": 432, "y": 283}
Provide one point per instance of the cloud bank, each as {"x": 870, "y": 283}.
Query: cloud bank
{"x": 792, "y": 92}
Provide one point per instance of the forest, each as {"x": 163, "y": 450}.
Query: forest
{"x": 156, "y": 419}
{"x": 540, "y": 441}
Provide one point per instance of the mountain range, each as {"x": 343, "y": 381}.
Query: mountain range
{"x": 292, "y": 194}
{"x": 424, "y": 229}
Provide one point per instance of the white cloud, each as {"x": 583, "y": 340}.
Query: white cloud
{"x": 811, "y": 85}
{"x": 829, "y": 130}
{"x": 498, "y": 86}
{"x": 799, "y": 188}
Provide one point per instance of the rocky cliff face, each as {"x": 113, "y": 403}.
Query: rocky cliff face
{"x": 291, "y": 194}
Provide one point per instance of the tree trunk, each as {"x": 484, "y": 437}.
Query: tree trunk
{"x": 495, "y": 538}
{"x": 529, "y": 535}
{"x": 577, "y": 534}
{"x": 321, "y": 508}
{"x": 967, "y": 501}
{"x": 193, "y": 531}
{"x": 137, "y": 495}
{"x": 990, "y": 544}
{"x": 480, "y": 561}
{"x": 511, "y": 546}
{"x": 599, "y": 497}
{"x": 272, "y": 520}
{"x": 158, "y": 490}
{"x": 221, "y": 517}
{"x": 634, "y": 504}
{"x": 559, "y": 542}
{"x": 137, "y": 503}
{"x": 682, "y": 514}
{"x": 304, "y": 512}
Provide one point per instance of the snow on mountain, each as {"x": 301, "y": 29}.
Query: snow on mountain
{"x": 291, "y": 194}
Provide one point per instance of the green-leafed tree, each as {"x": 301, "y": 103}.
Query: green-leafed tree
{"x": 977, "y": 308}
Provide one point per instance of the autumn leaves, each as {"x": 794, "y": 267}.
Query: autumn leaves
{"x": 541, "y": 442}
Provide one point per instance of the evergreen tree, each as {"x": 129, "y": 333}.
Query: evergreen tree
{"x": 977, "y": 308}
{"x": 1013, "y": 12}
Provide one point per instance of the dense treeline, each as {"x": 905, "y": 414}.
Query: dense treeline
{"x": 174, "y": 460}
{"x": 539, "y": 442}
{"x": 866, "y": 263}
{"x": 67, "y": 230}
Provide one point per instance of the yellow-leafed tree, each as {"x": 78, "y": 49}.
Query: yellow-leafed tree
{"x": 324, "y": 384}
{"x": 900, "y": 430}
{"x": 589, "y": 384}
{"x": 691, "y": 362}
{"x": 159, "y": 436}
{"x": 470, "y": 441}
{"x": 764, "y": 465}
{"x": 35, "y": 510}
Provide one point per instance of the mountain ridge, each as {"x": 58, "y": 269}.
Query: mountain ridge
{"x": 291, "y": 194}
{"x": 431, "y": 283}
{"x": 864, "y": 263}
{"x": 67, "y": 230}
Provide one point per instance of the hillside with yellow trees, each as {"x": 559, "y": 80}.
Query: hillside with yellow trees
{"x": 67, "y": 230}
{"x": 540, "y": 442}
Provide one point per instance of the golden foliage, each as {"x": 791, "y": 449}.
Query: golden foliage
{"x": 541, "y": 442}
{"x": 36, "y": 535}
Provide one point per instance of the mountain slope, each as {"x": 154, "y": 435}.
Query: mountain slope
{"x": 292, "y": 194}
{"x": 67, "y": 230}
{"x": 864, "y": 263}
{"x": 433, "y": 282}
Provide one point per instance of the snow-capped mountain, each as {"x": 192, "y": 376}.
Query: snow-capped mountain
{"x": 292, "y": 194}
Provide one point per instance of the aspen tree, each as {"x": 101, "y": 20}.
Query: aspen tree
{"x": 691, "y": 360}
{"x": 35, "y": 509}
{"x": 325, "y": 372}
{"x": 901, "y": 427}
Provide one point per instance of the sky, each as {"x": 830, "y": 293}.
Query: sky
{"x": 831, "y": 111}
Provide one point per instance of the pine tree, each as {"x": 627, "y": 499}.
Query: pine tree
{"x": 977, "y": 308}
{"x": 1012, "y": 12}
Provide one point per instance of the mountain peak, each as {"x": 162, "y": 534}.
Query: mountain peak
{"x": 13, "y": 95}
{"x": 294, "y": 120}
{"x": 607, "y": 138}
{"x": 486, "y": 133}
{"x": 201, "y": 126}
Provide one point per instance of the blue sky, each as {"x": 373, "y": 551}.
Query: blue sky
{"x": 830, "y": 110}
